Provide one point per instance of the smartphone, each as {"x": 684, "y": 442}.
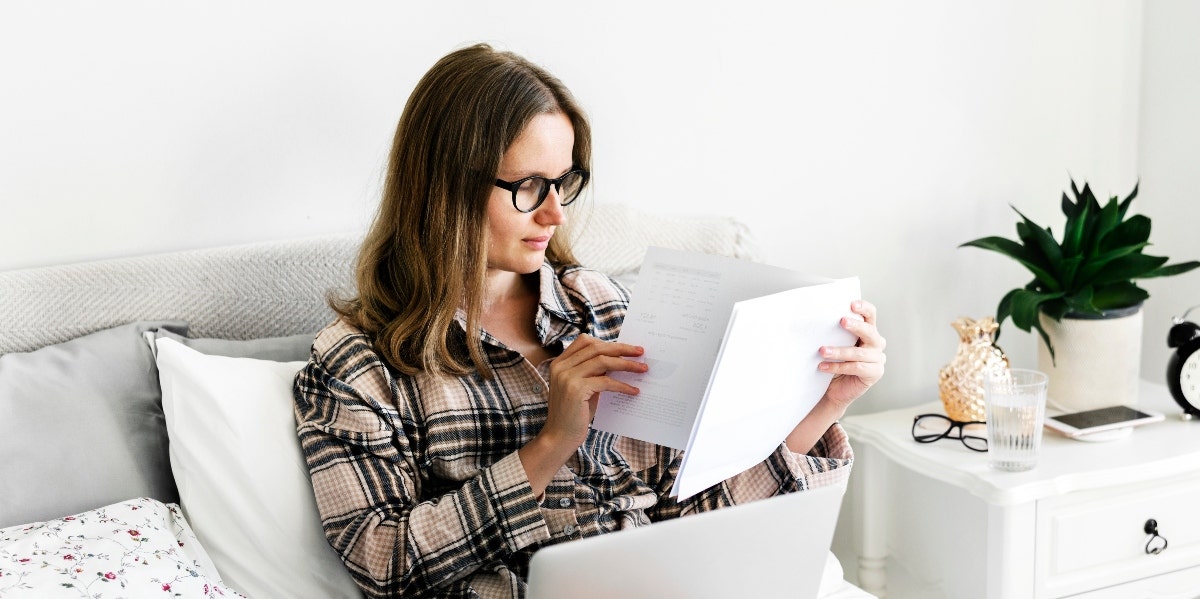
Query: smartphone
{"x": 1102, "y": 419}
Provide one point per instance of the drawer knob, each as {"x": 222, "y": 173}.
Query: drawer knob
{"x": 1151, "y": 529}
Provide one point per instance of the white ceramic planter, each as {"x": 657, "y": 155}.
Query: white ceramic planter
{"x": 1097, "y": 361}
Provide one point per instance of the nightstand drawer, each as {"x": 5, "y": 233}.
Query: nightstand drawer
{"x": 1097, "y": 539}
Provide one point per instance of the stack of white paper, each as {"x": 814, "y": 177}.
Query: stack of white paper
{"x": 733, "y": 351}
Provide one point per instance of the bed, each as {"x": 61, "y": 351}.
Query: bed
{"x": 148, "y": 444}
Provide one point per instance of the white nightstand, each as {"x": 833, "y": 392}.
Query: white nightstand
{"x": 933, "y": 520}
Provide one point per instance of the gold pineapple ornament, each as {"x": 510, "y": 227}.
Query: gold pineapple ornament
{"x": 960, "y": 383}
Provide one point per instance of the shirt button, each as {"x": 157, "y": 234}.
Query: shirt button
{"x": 564, "y": 502}
{"x": 537, "y": 389}
{"x": 569, "y": 529}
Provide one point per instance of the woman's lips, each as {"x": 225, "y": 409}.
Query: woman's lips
{"x": 537, "y": 243}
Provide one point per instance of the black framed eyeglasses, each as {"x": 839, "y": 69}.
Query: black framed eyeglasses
{"x": 928, "y": 428}
{"x": 530, "y": 192}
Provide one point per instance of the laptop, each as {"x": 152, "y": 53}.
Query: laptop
{"x": 773, "y": 547}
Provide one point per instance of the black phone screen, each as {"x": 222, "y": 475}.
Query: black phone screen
{"x": 1101, "y": 417}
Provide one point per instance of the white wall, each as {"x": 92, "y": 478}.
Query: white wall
{"x": 865, "y": 138}
{"x": 1168, "y": 156}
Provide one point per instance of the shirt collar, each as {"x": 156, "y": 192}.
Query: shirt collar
{"x": 554, "y": 297}
{"x": 555, "y": 320}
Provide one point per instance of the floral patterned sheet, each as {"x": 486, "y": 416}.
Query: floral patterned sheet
{"x": 136, "y": 548}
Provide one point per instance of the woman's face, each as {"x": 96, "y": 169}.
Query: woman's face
{"x": 517, "y": 241}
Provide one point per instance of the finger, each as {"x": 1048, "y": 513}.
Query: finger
{"x": 853, "y": 354}
{"x": 586, "y": 378}
{"x": 587, "y": 347}
{"x": 601, "y": 364}
{"x": 611, "y": 384}
{"x": 865, "y": 309}
{"x": 869, "y": 372}
{"x": 620, "y": 364}
{"x": 584, "y": 343}
{"x": 868, "y": 335}
{"x": 579, "y": 344}
{"x": 586, "y": 389}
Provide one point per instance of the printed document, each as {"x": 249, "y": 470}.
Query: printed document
{"x": 732, "y": 348}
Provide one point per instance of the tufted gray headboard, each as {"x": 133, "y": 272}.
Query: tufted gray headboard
{"x": 278, "y": 288}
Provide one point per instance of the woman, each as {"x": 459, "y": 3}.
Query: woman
{"x": 445, "y": 414}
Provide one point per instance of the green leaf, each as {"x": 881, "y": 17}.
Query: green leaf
{"x": 1003, "y": 311}
{"x": 1017, "y": 252}
{"x": 1046, "y": 337}
{"x": 1121, "y": 251}
{"x": 1170, "y": 270}
{"x": 1090, "y": 198}
{"x": 1134, "y": 231}
{"x": 1133, "y": 266}
{"x": 1080, "y": 301}
{"x": 1074, "y": 230}
{"x": 1069, "y": 208}
{"x": 1091, "y": 225}
{"x": 1129, "y": 199}
{"x": 1119, "y": 295}
{"x": 1109, "y": 219}
{"x": 1056, "y": 309}
{"x": 1070, "y": 272}
{"x": 1087, "y": 274}
{"x": 1003, "y": 245}
{"x": 1025, "y": 306}
{"x": 1042, "y": 239}
{"x": 1033, "y": 253}
{"x": 1026, "y": 237}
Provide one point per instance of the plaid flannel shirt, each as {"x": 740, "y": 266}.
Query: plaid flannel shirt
{"x": 418, "y": 481}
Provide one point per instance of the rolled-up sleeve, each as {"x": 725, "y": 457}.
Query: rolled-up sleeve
{"x": 828, "y": 463}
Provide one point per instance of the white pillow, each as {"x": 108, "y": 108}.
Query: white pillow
{"x": 136, "y": 548}
{"x": 242, "y": 478}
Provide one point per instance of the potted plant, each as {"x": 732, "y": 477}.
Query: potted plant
{"x": 1083, "y": 299}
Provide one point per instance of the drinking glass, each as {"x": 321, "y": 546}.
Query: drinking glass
{"x": 1015, "y": 402}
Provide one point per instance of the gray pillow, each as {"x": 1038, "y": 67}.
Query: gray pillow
{"x": 293, "y": 348}
{"x": 81, "y": 426}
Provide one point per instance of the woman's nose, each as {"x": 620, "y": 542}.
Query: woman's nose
{"x": 551, "y": 211}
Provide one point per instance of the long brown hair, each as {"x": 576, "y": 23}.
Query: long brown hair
{"x": 425, "y": 254}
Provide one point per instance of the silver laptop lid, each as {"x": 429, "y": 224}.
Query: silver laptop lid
{"x": 773, "y": 547}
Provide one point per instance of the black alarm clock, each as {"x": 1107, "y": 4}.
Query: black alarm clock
{"x": 1183, "y": 369}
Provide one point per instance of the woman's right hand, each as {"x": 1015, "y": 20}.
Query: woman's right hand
{"x": 577, "y": 376}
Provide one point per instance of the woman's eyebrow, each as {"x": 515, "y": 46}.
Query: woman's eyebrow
{"x": 521, "y": 174}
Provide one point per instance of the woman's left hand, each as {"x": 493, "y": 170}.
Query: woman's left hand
{"x": 859, "y": 366}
